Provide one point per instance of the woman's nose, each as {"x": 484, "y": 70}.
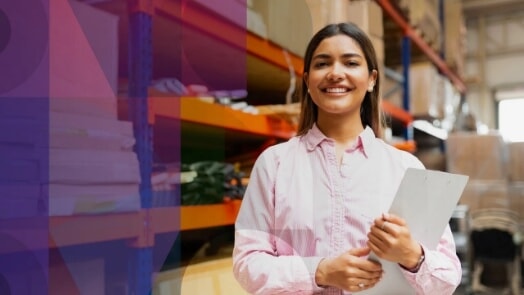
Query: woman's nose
{"x": 335, "y": 73}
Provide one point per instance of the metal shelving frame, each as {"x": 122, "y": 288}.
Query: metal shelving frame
{"x": 140, "y": 267}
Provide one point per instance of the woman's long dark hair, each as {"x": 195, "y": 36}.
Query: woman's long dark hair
{"x": 370, "y": 112}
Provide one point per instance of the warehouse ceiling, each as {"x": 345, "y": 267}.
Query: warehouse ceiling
{"x": 475, "y": 8}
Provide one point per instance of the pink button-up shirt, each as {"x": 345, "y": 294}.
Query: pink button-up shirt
{"x": 302, "y": 206}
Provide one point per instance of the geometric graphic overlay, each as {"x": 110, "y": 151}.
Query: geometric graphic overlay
{"x": 24, "y": 162}
{"x": 24, "y": 157}
{"x": 79, "y": 63}
{"x": 101, "y": 32}
{"x": 93, "y": 185}
{"x": 23, "y": 41}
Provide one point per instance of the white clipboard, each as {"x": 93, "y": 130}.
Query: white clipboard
{"x": 426, "y": 199}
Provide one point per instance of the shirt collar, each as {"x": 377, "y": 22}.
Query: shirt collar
{"x": 364, "y": 141}
{"x": 314, "y": 137}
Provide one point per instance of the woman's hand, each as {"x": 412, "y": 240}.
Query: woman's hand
{"x": 390, "y": 239}
{"x": 350, "y": 271}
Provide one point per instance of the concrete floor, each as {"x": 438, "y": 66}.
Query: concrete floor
{"x": 464, "y": 289}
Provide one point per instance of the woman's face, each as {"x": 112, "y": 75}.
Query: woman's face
{"x": 338, "y": 76}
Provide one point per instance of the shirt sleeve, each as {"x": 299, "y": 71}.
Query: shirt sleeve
{"x": 441, "y": 271}
{"x": 257, "y": 265}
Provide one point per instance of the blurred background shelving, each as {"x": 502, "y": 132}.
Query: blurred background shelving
{"x": 185, "y": 128}
{"x": 201, "y": 82}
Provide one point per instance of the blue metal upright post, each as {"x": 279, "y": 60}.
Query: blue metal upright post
{"x": 406, "y": 62}
{"x": 140, "y": 73}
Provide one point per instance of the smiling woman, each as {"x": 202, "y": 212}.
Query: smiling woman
{"x": 315, "y": 206}
{"x": 338, "y": 80}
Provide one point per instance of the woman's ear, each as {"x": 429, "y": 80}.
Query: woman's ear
{"x": 305, "y": 76}
{"x": 372, "y": 80}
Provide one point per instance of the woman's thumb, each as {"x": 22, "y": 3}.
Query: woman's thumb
{"x": 360, "y": 251}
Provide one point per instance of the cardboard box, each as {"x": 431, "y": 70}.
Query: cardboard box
{"x": 378, "y": 44}
{"x": 255, "y": 23}
{"x": 482, "y": 194}
{"x": 423, "y": 16}
{"x": 367, "y": 15}
{"x": 425, "y": 90}
{"x": 516, "y": 161}
{"x": 482, "y": 157}
{"x": 455, "y": 34}
{"x": 516, "y": 196}
{"x": 309, "y": 16}
{"x": 291, "y": 34}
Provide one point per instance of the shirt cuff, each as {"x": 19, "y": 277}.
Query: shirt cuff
{"x": 312, "y": 265}
{"x": 422, "y": 271}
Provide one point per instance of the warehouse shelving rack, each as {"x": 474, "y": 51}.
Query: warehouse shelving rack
{"x": 411, "y": 35}
{"x": 140, "y": 228}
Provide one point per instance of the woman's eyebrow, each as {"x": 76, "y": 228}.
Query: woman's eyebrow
{"x": 350, "y": 55}
{"x": 321, "y": 56}
{"x": 345, "y": 55}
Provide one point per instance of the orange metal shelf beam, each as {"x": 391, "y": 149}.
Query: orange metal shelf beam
{"x": 204, "y": 216}
{"x": 172, "y": 219}
{"x": 272, "y": 53}
{"x": 396, "y": 112}
{"x": 417, "y": 39}
{"x": 199, "y": 18}
{"x": 191, "y": 109}
{"x": 408, "y": 146}
{"x": 81, "y": 229}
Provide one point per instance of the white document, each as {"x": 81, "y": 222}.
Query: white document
{"x": 426, "y": 200}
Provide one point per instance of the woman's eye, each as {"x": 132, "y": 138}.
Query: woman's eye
{"x": 320, "y": 64}
{"x": 352, "y": 63}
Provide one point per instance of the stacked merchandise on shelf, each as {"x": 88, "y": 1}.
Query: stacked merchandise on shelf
{"x": 494, "y": 196}
{"x": 212, "y": 183}
{"x": 288, "y": 112}
{"x": 432, "y": 95}
{"x": 166, "y": 180}
{"x": 271, "y": 20}
{"x": 93, "y": 168}
{"x": 230, "y": 98}
{"x": 368, "y": 16}
{"x": 516, "y": 178}
{"x": 423, "y": 15}
{"x": 484, "y": 158}
{"x": 455, "y": 36}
